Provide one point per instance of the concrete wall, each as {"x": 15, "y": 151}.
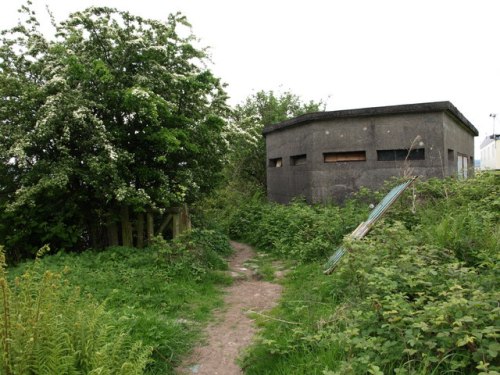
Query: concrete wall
{"x": 457, "y": 141}
{"x": 289, "y": 181}
{"x": 318, "y": 181}
{"x": 334, "y": 181}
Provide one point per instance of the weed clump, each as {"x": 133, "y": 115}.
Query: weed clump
{"x": 49, "y": 327}
{"x": 195, "y": 252}
{"x": 159, "y": 295}
{"x": 297, "y": 231}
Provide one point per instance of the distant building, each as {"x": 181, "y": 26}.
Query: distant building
{"x": 490, "y": 152}
{"x": 325, "y": 156}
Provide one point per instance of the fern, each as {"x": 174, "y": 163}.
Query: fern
{"x": 46, "y": 327}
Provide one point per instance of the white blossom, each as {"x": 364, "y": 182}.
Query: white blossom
{"x": 140, "y": 93}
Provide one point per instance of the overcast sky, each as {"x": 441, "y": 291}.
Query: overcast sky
{"x": 350, "y": 53}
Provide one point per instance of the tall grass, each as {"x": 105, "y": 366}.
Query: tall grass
{"x": 160, "y": 295}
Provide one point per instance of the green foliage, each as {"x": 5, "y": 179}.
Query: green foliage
{"x": 157, "y": 301}
{"x": 292, "y": 346}
{"x": 298, "y": 231}
{"x": 195, "y": 252}
{"x": 469, "y": 235}
{"x": 415, "y": 307}
{"x": 458, "y": 215}
{"x": 48, "y": 327}
{"x": 419, "y": 295}
{"x": 247, "y": 151}
{"x": 220, "y": 209}
{"x": 113, "y": 111}
{"x": 266, "y": 266}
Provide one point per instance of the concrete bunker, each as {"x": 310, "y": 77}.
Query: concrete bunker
{"x": 325, "y": 156}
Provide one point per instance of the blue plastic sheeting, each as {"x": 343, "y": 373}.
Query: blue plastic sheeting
{"x": 365, "y": 226}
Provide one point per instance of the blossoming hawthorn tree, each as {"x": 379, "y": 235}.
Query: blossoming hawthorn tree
{"x": 113, "y": 119}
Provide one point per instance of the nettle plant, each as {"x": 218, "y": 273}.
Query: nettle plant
{"x": 298, "y": 231}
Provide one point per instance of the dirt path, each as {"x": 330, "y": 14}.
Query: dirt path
{"x": 233, "y": 330}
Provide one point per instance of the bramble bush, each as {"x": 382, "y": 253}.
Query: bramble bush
{"x": 418, "y": 295}
{"x": 298, "y": 231}
{"x": 415, "y": 308}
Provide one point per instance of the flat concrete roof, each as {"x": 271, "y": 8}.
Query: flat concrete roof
{"x": 489, "y": 139}
{"x": 373, "y": 111}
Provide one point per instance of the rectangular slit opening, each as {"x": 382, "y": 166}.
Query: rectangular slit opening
{"x": 298, "y": 159}
{"x": 276, "y": 163}
{"x": 401, "y": 154}
{"x": 348, "y": 156}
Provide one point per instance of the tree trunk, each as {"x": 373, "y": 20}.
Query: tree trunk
{"x": 126, "y": 227}
{"x": 149, "y": 226}
{"x": 112, "y": 232}
{"x": 140, "y": 230}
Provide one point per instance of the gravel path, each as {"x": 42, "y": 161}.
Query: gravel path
{"x": 233, "y": 330}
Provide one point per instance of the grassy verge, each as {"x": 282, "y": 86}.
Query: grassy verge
{"x": 162, "y": 295}
{"x": 284, "y": 346}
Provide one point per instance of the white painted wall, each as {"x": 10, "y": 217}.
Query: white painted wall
{"x": 490, "y": 156}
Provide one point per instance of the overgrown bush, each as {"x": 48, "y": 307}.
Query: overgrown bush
{"x": 194, "y": 252}
{"x": 415, "y": 308}
{"x": 220, "y": 210}
{"x": 48, "y": 327}
{"x": 418, "y": 295}
{"x": 298, "y": 230}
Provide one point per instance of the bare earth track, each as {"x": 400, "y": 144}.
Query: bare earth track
{"x": 233, "y": 329}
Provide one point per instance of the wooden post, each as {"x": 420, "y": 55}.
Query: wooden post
{"x": 126, "y": 227}
{"x": 176, "y": 227}
{"x": 185, "y": 220}
{"x": 94, "y": 235}
{"x": 140, "y": 230}
{"x": 112, "y": 232}
{"x": 180, "y": 220}
{"x": 149, "y": 226}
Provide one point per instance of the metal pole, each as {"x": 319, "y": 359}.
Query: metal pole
{"x": 494, "y": 116}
